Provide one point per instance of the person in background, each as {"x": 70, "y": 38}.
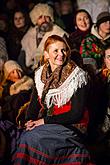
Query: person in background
{"x": 67, "y": 15}
{"x": 33, "y": 40}
{"x": 57, "y": 112}
{"x": 20, "y": 25}
{"x": 92, "y": 46}
{"x": 57, "y": 14}
{"x": 105, "y": 76}
{"x": 94, "y": 7}
{"x": 99, "y": 127}
{"x": 83, "y": 24}
{"x": 3, "y": 25}
{"x": 17, "y": 89}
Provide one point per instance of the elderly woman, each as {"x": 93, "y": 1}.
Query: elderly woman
{"x": 57, "y": 111}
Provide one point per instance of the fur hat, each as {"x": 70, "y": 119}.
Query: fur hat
{"x": 9, "y": 66}
{"x": 103, "y": 17}
{"x": 41, "y": 9}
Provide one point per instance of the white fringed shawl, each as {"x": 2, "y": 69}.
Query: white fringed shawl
{"x": 60, "y": 96}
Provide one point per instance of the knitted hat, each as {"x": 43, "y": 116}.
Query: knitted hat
{"x": 9, "y": 66}
{"x": 103, "y": 17}
{"x": 41, "y": 9}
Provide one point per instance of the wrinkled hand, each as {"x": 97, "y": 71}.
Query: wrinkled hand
{"x": 32, "y": 124}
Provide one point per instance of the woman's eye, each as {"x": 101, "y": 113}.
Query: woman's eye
{"x": 55, "y": 50}
{"x": 108, "y": 56}
{"x": 63, "y": 50}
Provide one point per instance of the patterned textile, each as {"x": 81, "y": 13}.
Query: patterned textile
{"x": 75, "y": 39}
{"x": 57, "y": 77}
{"x": 57, "y": 88}
{"x": 54, "y": 144}
{"x": 92, "y": 47}
{"x": 57, "y": 141}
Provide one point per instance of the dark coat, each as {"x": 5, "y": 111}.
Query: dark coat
{"x": 12, "y": 103}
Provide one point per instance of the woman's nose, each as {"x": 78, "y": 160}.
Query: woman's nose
{"x": 61, "y": 53}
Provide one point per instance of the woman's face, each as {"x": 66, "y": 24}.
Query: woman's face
{"x": 56, "y": 54}
{"x": 15, "y": 75}
{"x": 19, "y": 20}
{"x": 105, "y": 27}
{"x": 107, "y": 58}
{"x": 82, "y": 21}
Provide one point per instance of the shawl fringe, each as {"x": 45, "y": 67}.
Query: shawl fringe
{"x": 61, "y": 95}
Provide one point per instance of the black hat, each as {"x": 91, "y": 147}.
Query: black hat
{"x": 102, "y": 17}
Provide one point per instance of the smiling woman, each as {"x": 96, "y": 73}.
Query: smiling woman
{"x": 57, "y": 112}
{"x": 92, "y": 46}
{"x": 56, "y": 52}
{"x": 83, "y": 23}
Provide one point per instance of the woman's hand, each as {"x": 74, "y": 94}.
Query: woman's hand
{"x": 32, "y": 124}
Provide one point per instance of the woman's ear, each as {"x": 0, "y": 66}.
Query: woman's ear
{"x": 46, "y": 55}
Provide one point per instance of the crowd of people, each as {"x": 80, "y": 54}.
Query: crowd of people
{"x": 54, "y": 82}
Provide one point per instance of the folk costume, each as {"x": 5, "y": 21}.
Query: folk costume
{"x": 59, "y": 98}
{"x": 93, "y": 44}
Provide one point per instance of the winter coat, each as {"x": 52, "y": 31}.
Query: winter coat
{"x": 92, "y": 46}
{"x": 14, "y": 96}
